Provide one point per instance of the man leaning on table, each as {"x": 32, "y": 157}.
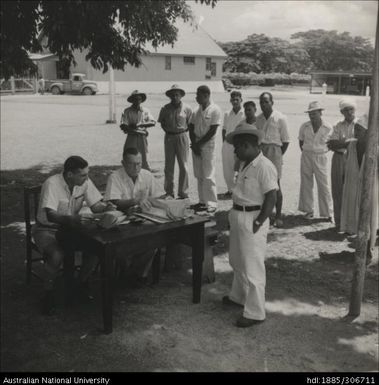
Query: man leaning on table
{"x": 62, "y": 197}
{"x": 131, "y": 188}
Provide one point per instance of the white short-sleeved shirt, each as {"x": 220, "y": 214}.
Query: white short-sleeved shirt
{"x": 275, "y": 128}
{"x": 315, "y": 142}
{"x": 231, "y": 120}
{"x": 56, "y": 195}
{"x": 343, "y": 130}
{"x": 254, "y": 181}
{"x": 175, "y": 119}
{"x": 121, "y": 186}
{"x": 204, "y": 119}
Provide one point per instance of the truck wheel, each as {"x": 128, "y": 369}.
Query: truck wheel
{"x": 87, "y": 91}
{"x": 55, "y": 90}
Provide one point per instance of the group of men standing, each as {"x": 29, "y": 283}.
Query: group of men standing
{"x": 252, "y": 155}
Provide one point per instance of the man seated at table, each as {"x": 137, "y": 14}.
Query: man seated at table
{"x": 62, "y": 197}
{"x": 129, "y": 187}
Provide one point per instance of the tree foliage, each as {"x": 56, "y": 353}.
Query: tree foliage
{"x": 316, "y": 49}
{"x": 331, "y": 51}
{"x": 113, "y": 32}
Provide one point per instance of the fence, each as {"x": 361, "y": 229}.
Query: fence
{"x": 14, "y": 86}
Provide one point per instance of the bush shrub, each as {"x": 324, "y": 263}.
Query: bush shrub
{"x": 269, "y": 79}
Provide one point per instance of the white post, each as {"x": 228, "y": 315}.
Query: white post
{"x": 13, "y": 85}
{"x": 112, "y": 106}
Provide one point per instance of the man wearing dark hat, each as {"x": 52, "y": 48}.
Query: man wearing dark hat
{"x": 134, "y": 122}
{"x": 174, "y": 118}
{"x": 342, "y": 131}
{"x": 202, "y": 129}
{"x": 254, "y": 197}
{"x": 313, "y": 137}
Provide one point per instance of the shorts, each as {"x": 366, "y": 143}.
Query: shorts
{"x": 274, "y": 153}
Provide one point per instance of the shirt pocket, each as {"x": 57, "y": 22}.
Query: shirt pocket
{"x": 250, "y": 188}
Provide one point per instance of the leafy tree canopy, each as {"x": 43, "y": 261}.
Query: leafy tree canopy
{"x": 330, "y": 50}
{"x": 113, "y": 32}
{"x": 315, "y": 49}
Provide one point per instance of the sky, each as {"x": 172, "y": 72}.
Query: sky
{"x": 235, "y": 20}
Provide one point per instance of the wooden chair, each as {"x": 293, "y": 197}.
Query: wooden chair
{"x": 31, "y": 200}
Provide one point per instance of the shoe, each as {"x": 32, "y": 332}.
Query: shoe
{"x": 199, "y": 207}
{"x": 48, "y": 304}
{"x": 278, "y": 223}
{"x": 182, "y": 197}
{"x": 167, "y": 196}
{"x": 330, "y": 219}
{"x": 227, "y": 301}
{"x": 308, "y": 216}
{"x": 243, "y": 322}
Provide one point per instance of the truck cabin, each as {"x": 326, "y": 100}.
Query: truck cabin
{"x": 77, "y": 77}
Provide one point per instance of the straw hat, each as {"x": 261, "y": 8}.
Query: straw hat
{"x": 245, "y": 128}
{"x": 345, "y": 103}
{"x": 175, "y": 87}
{"x": 314, "y": 106}
{"x": 134, "y": 94}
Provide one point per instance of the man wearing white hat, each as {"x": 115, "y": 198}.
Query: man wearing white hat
{"x": 134, "y": 122}
{"x": 254, "y": 197}
{"x": 313, "y": 137}
{"x": 174, "y": 118}
{"x": 342, "y": 131}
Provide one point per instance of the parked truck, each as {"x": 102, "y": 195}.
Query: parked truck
{"x": 75, "y": 85}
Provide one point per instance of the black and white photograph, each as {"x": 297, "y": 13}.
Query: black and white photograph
{"x": 189, "y": 186}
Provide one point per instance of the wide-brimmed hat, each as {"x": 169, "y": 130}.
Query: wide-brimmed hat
{"x": 244, "y": 128}
{"x": 175, "y": 87}
{"x": 314, "y": 106}
{"x": 134, "y": 94}
{"x": 345, "y": 103}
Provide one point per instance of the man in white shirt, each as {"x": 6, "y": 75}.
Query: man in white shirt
{"x": 275, "y": 142}
{"x": 313, "y": 138}
{"x": 204, "y": 123}
{"x": 231, "y": 119}
{"x": 254, "y": 196}
{"x": 129, "y": 188}
{"x": 342, "y": 131}
{"x": 62, "y": 197}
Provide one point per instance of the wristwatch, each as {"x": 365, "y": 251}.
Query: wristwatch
{"x": 257, "y": 223}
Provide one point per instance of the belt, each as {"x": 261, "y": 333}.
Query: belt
{"x": 246, "y": 208}
{"x": 175, "y": 133}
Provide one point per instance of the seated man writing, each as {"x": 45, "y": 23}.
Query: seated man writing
{"x": 62, "y": 197}
{"x": 128, "y": 187}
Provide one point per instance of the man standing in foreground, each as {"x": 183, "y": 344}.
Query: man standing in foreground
{"x": 275, "y": 142}
{"x": 204, "y": 123}
{"x": 313, "y": 136}
{"x": 174, "y": 118}
{"x": 231, "y": 119}
{"x": 254, "y": 197}
{"x": 342, "y": 131}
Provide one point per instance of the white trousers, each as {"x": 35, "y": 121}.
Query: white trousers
{"x": 228, "y": 162}
{"x": 204, "y": 168}
{"x": 314, "y": 164}
{"x": 246, "y": 256}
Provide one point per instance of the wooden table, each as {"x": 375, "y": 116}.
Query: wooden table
{"x": 139, "y": 238}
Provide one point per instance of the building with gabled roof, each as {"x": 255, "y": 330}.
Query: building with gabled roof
{"x": 193, "y": 60}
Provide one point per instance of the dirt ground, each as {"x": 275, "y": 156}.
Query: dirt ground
{"x": 157, "y": 328}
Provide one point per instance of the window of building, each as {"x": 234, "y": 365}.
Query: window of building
{"x": 189, "y": 59}
{"x": 208, "y": 62}
{"x": 213, "y": 69}
{"x": 168, "y": 63}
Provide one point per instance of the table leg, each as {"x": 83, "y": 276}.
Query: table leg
{"x": 197, "y": 240}
{"x": 106, "y": 264}
{"x": 156, "y": 266}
